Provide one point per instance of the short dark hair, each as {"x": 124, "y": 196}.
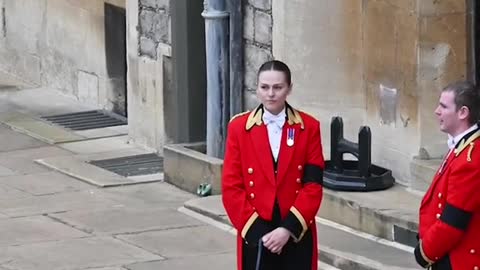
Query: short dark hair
{"x": 277, "y": 66}
{"x": 466, "y": 94}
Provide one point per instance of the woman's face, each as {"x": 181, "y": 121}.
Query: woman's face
{"x": 272, "y": 90}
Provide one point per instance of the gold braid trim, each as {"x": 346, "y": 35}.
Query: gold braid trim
{"x": 469, "y": 154}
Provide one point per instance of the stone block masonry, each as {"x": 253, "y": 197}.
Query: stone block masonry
{"x": 257, "y": 34}
{"x": 154, "y": 26}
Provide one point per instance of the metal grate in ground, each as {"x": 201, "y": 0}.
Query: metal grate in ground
{"x": 86, "y": 120}
{"x": 132, "y": 165}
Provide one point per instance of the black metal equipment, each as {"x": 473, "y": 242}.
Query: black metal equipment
{"x": 353, "y": 175}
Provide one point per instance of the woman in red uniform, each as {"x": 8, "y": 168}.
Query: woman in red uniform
{"x": 272, "y": 178}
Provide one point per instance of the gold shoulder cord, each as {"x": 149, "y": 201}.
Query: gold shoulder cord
{"x": 469, "y": 154}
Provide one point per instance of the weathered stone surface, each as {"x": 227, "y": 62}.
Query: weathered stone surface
{"x": 88, "y": 199}
{"x": 11, "y": 140}
{"x": 126, "y": 220}
{"x": 435, "y": 7}
{"x": 214, "y": 262}
{"x": 45, "y": 183}
{"x": 261, "y": 4}
{"x": 202, "y": 168}
{"x": 9, "y": 193}
{"x": 248, "y": 22}
{"x": 34, "y": 229}
{"x": 5, "y": 171}
{"x": 250, "y": 100}
{"x": 263, "y": 28}
{"x": 148, "y": 47}
{"x": 380, "y": 34}
{"x": 148, "y": 3}
{"x": 154, "y": 24}
{"x": 171, "y": 243}
{"x": 162, "y": 195}
{"x": 22, "y": 161}
{"x": 254, "y": 58}
{"x": 74, "y": 254}
{"x": 87, "y": 87}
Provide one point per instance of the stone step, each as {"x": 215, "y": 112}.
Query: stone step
{"x": 339, "y": 246}
{"x": 423, "y": 171}
{"x": 391, "y": 214}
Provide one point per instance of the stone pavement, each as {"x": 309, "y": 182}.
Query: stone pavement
{"x": 50, "y": 221}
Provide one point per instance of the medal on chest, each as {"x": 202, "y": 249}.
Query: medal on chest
{"x": 290, "y": 136}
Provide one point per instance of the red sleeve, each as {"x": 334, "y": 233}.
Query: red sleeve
{"x": 305, "y": 207}
{"x": 463, "y": 198}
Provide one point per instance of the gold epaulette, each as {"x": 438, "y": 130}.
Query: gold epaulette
{"x": 238, "y": 114}
{"x": 464, "y": 144}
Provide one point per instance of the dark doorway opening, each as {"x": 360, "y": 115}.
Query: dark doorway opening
{"x": 116, "y": 57}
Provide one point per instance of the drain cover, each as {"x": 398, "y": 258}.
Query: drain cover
{"x": 132, "y": 165}
{"x": 86, "y": 120}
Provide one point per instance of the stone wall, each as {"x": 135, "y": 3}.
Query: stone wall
{"x": 57, "y": 44}
{"x": 257, "y": 34}
{"x": 149, "y": 70}
{"x": 154, "y": 26}
{"x": 379, "y": 63}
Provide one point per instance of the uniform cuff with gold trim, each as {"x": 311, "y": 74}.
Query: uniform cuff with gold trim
{"x": 420, "y": 256}
{"x": 255, "y": 228}
{"x": 295, "y": 224}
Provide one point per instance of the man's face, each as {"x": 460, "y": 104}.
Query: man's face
{"x": 448, "y": 116}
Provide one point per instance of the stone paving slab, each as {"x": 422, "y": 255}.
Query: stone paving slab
{"x": 22, "y": 161}
{"x": 4, "y": 171}
{"x": 79, "y": 169}
{"x": 185, "y": 242}
{"x": 67, "y": 201}
{"x": 159, "y": 195}
{"x": 45, "y": 183}
{"x": 41, "y": 101}
{"x": 16, "y": 231}
{"x": 11, "y": 140}
{"x": 75, "y": 254}
{"x": 126, "y": 220}
{"x": 103, "y": 132}
{"x": 98, "y": 145}
{"x": 210, "y": 262}
{"x": 106, "y": 268}
{"x": 38, "y": 129}
{"x": 9, "y": 193}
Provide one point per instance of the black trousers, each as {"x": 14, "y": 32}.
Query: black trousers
{"x": 294, "y": 256}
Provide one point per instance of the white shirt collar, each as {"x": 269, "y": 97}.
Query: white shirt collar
{"x": 452, "y": 141}
{"x": 270, "y": 116}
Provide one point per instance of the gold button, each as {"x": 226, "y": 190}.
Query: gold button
{"x": 475, "y": 268}
{"x": 252, "y": 196}
{"x": 472, "y": 251}
{"x": 439, "y": 195}
{"x": 311, "y": 221}
{"x": 250, "y": 170}
{"x": 275, "y": 172}
{"x": 296, "y": 191}
{"x": 300, "y": 167}
{"x": 439, "y": 205}
{"x": 251, "y": 183}
{"x": 298, "y": 180}
{"x": 438, "y": 216}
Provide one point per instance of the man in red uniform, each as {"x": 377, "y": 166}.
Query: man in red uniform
{"x": 449, "y": 228}
{"x": 272, "y": 176}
